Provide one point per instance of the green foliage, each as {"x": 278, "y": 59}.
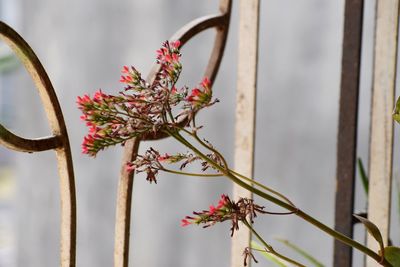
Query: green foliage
{"x": 396, "y": 111}
{"x": 8, "y": 62}
{"x": 303, "y": 253}
{"x": 363, "y": 175}
{"x": 372, "y": 230}
{"x": 392, "y": 255}
{"x": 270, "y": 257}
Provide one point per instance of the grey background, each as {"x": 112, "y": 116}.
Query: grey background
{"x": 84, "y": 44}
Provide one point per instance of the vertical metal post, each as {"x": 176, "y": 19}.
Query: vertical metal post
{"x": 381, "y": 140}
{"x": 245, "y": 111}
{"x": 347, "y": 131}
{"x": 58, "y": 141}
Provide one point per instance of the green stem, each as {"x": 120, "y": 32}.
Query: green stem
{"x": 339, "y": 236}
{"x": 266, "y": 188}
{"x": 212, "y": 149}
{"x": 269, "y": 248}
{"x": 201, "y": 142}
{"x": 252, "y": 181}
{"x": 192, "y": 174}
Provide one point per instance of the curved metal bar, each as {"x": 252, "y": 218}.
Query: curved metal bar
{"x": 124, "y": 203}
{"x": 124, "y": 198}
{"x": 59, "y": 142}
{"x": 188, "y": 31}
{"x": 191, "y": 29}
{"x": 14, "y": 142}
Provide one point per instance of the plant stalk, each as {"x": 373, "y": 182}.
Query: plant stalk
{"x": 335, "y": 234}
{"x": 269, "y": 248}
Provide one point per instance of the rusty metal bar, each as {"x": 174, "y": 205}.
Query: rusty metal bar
{"x": 347, "y": 131}
{"x": 124, "y": 198}
{"x": 381, "y": 140}
{"x": 59, "y": 141}
{"x": 14, "y": 142}
{"x": 124, "y": 203}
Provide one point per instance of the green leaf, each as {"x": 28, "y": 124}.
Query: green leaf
{"x": 268, "y": 256}
{"x": 396, "y": 111}
{"x": 372, "y": 229}
{"x": 8, "y": 62}
{"x": 305, "y": 254}
{"x": 363, "y": 175}
{"x": 392, "y": 255}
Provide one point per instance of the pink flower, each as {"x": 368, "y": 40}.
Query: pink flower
{"x": 81, "y": 101}
{"x": 201, "y": 97}
{"x": 223, "y": 201}
{"x": 185, "y": 222}
{"x": 212, "y": 210}
{"x": 125, "y": 69}
{"x": 176, "y": 44}
{"x": 206, "y": 82}
{"x": 126, "y": 79}
{"x": 88, "y": 142}
{"x": 129, "y": 167}
{"x": 226, "y": 210}
{"x": 99, "y": 96}
{"x": 164, "y": 158}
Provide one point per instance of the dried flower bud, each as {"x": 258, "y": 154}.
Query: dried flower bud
{"x": 149, "y": 163}
{"x": 225, "y": 210}
{"x": 248, "y": 255}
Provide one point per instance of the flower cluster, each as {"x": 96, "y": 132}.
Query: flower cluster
{"x": 226, "y": 210}
{"x": 107, "y": 122}
{"x": 168, "y": 57}
{"x": 152, "y": 162}
{"x": 146, "y": 163}
{"x": 143, "y": 109}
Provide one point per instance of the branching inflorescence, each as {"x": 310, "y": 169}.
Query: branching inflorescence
{"x": 147, "y": 109}
{"x": 142, "y": 109}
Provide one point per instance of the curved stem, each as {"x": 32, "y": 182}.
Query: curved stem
{"x": 252, "y": 181}
{"x": 269, "y": 249}
{"x": 212, "y": 149}
{"x": 339, "y": 236}
{"x": 195, "y": 136}
{"x": 266, "y": 188}
{"x": 208, "y": 175}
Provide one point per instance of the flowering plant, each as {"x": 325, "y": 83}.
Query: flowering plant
{"x": 159, "y": 108}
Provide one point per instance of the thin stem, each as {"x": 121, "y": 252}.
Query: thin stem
{"x": 168, "y": 107}
{"x": 252, "y": 181}
{"x": 269, "y": 249}
{"x": 212, "y": 149}
{"x": 266, "y": 188}
{"x": 339, "y": 236}
{"x": 194, "y": 120}
{"x": 195, "y": 136}
{"x": 192, "y": 174}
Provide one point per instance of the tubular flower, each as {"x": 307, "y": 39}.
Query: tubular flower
{"x": 225, "y": 210}
{"x": 143, "y": 109}
{"x": 133, "y": 79}
{"x": 201, "y": 97}
{"x": 168, "y": 57}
